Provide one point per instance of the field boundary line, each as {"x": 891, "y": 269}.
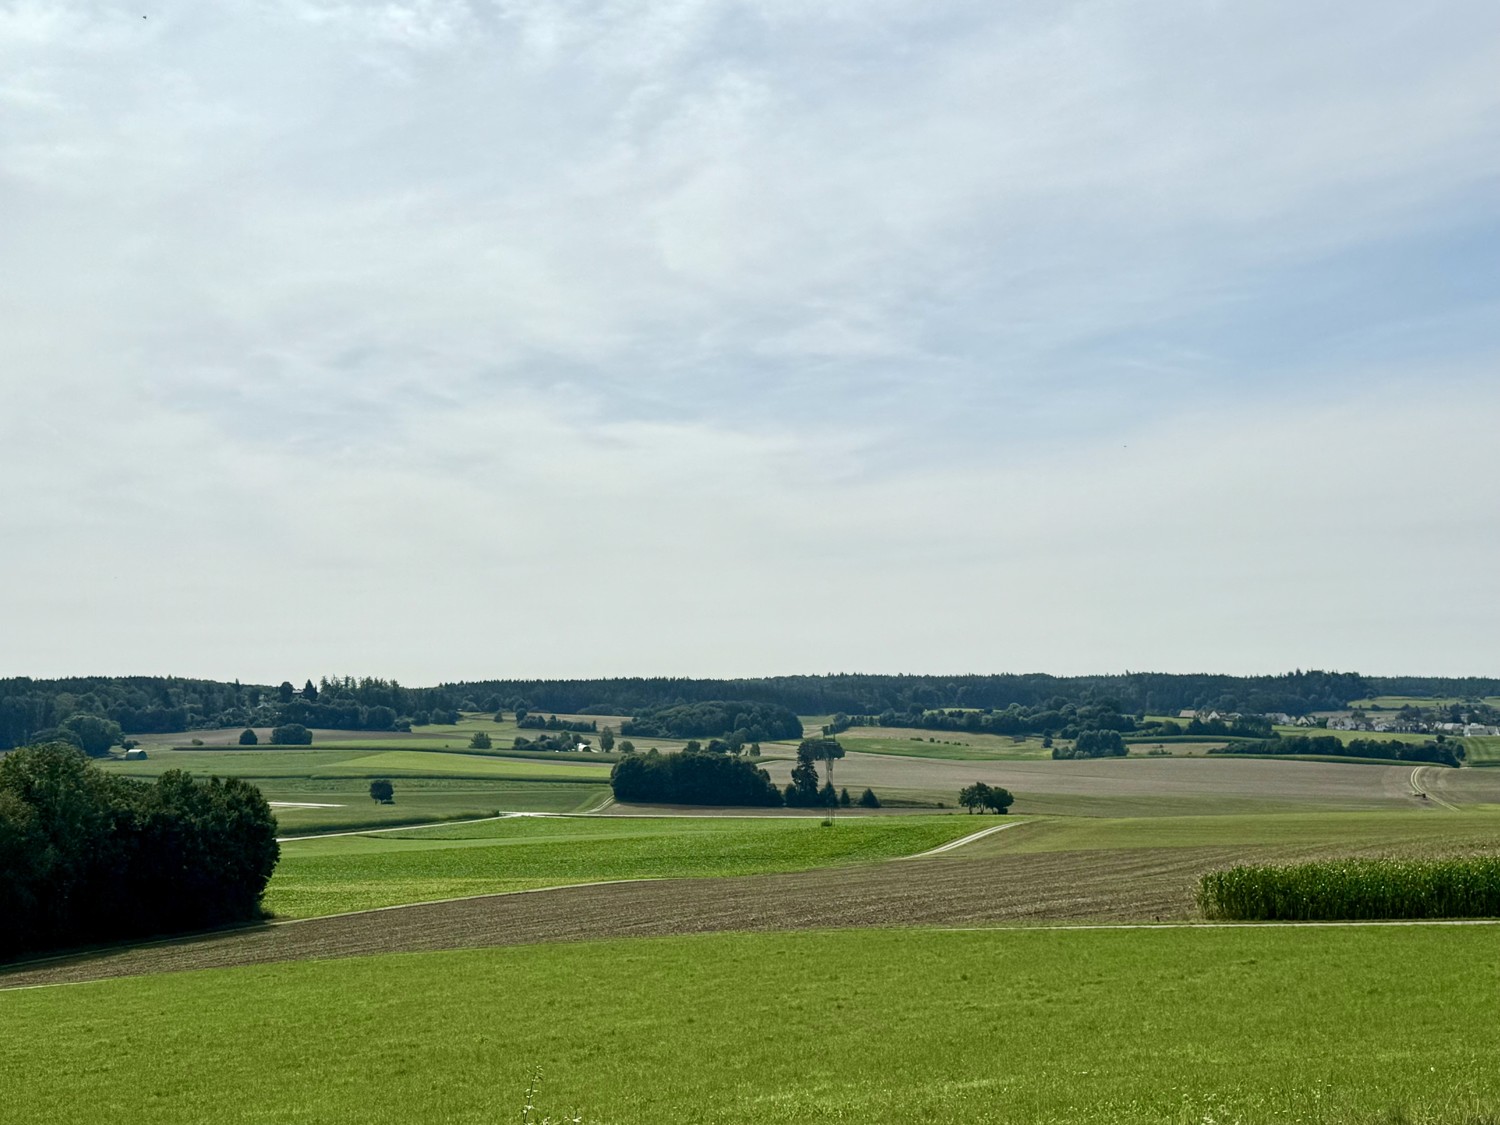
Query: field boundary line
{"x": 403, "y": 827}
{"x": 969, "y": 839}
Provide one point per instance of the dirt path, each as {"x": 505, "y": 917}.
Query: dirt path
{"x": 969, "y": 839}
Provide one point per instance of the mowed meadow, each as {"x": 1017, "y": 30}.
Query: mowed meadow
{"x": 1327, "y": 1025}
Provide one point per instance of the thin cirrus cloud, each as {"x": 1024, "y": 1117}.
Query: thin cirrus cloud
{"x": 723, "y": 338}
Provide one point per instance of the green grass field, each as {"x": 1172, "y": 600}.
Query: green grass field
{"x": 345, "y": 873}
{"x": 1336, "y": 1026}
{"x": 430, "y": 785}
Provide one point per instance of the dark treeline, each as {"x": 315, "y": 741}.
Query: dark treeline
{"x": 741, "y": 721}
{"x": 1441, "y": 752}
{"x": 1296, "y": 693}
{"x": 552, "y": 722}
{"x": 692, "y": 779}
{"x": 167, "y": 704}
{"x": 87, "y": 857}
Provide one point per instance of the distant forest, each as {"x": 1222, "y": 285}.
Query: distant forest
{"x": 168, "y": 704}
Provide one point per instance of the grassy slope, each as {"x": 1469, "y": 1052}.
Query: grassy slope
{"x": 1225, "y": 1025}
{"x": 358, "y": 872}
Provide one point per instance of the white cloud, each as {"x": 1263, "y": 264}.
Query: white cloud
{"x": 735, "y": 337}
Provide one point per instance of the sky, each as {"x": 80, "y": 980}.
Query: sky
{"x": 457, "y": 339}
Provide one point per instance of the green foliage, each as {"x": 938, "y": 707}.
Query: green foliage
{"x": 1354, "y": 889}
{"x": 751, "y": 722}
{"x": 93, "y": 733}
{"x": 983, "y": 796}
{"x": 1441, "y": 752}
{"x": 802, "y": 790}
{"x": 1093, "y": 744}
{"x": 249, "y": 738}
{"x": 691, "y": 779}
{"x": 868, "y": 800}
{"x": 87, "y": 857}
{"x": 291, "y": 734}
{"x": 481, "y": 741}
{"x": 383, "y": 791}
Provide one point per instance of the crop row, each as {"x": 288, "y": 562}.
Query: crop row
{"x": 1354, "y": 889}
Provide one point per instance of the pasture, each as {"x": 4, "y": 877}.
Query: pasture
{"x": 345, "y": 873}
{"x": 1339, "y": 1026}
{"x": 326, "y": 788}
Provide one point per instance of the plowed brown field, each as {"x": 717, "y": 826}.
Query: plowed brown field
{"x": 949, "y": 890}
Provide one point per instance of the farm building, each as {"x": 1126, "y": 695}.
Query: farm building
{"x": 135, "y": 754}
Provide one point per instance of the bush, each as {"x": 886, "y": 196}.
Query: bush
{"x": 249, "y": 738}
{"x": 1354, "y": 889}
{"x": 868, "y": 800}
{"x": 480, "y": 741}
{"x": 86, "y": 856}
{"x": 291, "y": 734}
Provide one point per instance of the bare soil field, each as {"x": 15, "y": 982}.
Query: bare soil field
{"x": 956, "y": 889}
{"x": 1143, "y": 786}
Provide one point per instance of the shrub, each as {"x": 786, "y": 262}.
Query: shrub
{"x": 249, "y": 738}
{"x": 291, "y": 734}
{"x": 480, "y": 741}
{"x": 868, "y": 800}
{"x": 1353, "y": 889}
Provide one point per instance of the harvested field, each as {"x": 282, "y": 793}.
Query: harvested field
{"x": 1140, "y": 884}
{"x": 1164, "y": 786}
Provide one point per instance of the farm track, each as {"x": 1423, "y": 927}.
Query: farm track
{"x": 1140, "y": 885}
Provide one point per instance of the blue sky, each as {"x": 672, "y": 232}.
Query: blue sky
{"x": 449, "y": 339}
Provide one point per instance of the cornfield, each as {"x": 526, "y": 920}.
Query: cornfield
{"x": 1354, "y": 889}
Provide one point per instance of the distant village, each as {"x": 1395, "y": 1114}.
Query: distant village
{"x": 1358, "y": 721}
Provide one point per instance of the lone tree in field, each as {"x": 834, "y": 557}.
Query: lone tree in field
{"x": 606, "y": 740}
{"x": 383, "y": 791}
{"x": 480, "y": 741}
{"x": 249, "y": 738}
{"x": 982, "y": 796}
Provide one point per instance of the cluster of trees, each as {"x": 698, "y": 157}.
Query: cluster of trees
{"x": 1441, "y": 752}
{"x": 89, "y": 857}
{"x": 566, "y": 740}
{"x": 803, "y": 790}
{"x": 1093, "y": 744}
{"x": 688, "y": 778}
{"x": 552, "y": 722}
{"x": 30, "y": 710}
{"x": 696, "y": 776}
{"x": 1056, "y": 716}
{"x": 1297, "y": 693}
{"x": 736, "y": 721}
{"x": 982, "y": 796}
{"x": 1242, "y": 726}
